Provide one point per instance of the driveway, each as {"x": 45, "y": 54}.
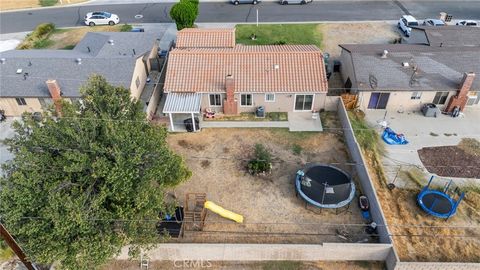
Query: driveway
{"x": 422, "y": 132}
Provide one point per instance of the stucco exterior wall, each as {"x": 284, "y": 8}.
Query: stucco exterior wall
{"x": 402, "y": 100}
{"x": 13, "y": 109}
{"x": 283, "y": 102}
{"x": 139, "y": 73}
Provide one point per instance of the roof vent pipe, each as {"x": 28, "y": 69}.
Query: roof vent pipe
{"x": 79, "y": 61}
{"x": 384, "y": 54}
{"x": 110, "y": 41}
{"x": 2, "y": 60}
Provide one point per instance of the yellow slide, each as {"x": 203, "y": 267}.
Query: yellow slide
{"x": 223, "y": 212}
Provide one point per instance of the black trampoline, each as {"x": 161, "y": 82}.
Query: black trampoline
{"x": 325, "y": 186}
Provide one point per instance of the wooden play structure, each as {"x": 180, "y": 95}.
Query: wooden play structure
{"x": 194, "y": 211}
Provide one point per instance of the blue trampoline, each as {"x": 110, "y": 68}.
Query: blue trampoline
{"x": 325, "y": 186}
{"x": 438, "y": 203}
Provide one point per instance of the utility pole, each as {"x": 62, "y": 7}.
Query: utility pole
{"x": 16, "y": 248}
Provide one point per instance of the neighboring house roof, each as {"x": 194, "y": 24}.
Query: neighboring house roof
{"x": 115, "y": 62}
{"x": 206, "y": 38}
{"x": 275, "y": 68}
{"x": 455, "y": 36}
{"x": 438, "y": 68}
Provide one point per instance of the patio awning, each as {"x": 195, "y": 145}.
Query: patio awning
{"x": 182, "y": 103}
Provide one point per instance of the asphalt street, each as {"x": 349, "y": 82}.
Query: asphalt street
{"x": 217, "y": 12}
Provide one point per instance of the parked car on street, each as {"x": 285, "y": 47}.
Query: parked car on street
{"x": 101, "y": 17}
{"x": 468, "y": 23}
{"x": 434, "y": 22}
{"x": 293, "y": 2}
{"x": 405, "y": 23}
{"x": 253, "y": 2}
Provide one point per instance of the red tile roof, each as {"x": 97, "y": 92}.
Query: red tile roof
{"x": 276, "y": 68}
{"x": 206, "y": 38}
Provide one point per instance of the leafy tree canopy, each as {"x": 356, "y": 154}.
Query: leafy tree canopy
{"x": 82, "y": 185}
{"x": 184, "y": 13}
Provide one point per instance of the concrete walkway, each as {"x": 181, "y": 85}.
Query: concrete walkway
{"x": 245, "y": 124}
{"x": 265, "y": 252}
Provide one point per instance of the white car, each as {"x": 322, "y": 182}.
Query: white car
{"x": 468, "y": 23}
{"x": 101, "y": 17}
{"x": 434, "y": 22}
{"x": 405, "y": 23}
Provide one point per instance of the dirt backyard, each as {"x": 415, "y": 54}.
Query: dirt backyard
{"x": 272, "y": 212}
{"x": 420, "y": 237}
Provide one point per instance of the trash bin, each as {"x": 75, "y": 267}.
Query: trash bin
{"x": 430, "y": 110}
{"x": 260, "y": 112}
{"x": 189, "y": 125}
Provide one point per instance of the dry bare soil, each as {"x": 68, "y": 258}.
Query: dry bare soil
{"x": 420, "y": 237}
{"x": 272, "y": 212}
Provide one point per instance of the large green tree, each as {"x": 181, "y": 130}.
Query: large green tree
{"x": 86, "y": 183}
{"x": 184, "y": 13}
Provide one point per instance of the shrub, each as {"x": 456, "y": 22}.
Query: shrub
{"x": 184, "y": 13}
{"x": 262, "y": 162}
{"x": 126, "y": 28}
{"x": 280, "y": 42}
{"x": 297, "y": 149}
{"x": 38, "y": 38}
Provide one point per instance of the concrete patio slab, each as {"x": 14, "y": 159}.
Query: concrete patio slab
{"x": 245, "y": 124}
{"x": 421, "y": 132}
{"x": 303, "y": 121}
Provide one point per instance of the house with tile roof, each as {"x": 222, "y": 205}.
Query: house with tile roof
{"x": 405, "y": 77}
{"x": 125, "y": 59}
{"x": 227, "y": 78}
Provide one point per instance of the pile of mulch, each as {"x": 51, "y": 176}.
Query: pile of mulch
{"x": 450, "y": 161}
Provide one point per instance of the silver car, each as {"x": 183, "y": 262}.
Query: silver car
{"x": 253, "y": 2}
{"x": 293, "y": 2}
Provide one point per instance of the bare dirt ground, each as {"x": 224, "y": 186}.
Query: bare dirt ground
{"x": 272, "y": 212}
{"x": 420, "y": 237}
{"x": 19, "y": 4}
{"x": 268, "y": 265}
{"x": 356, "y": 33}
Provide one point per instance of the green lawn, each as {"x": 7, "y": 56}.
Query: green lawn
{"x": 269, "y": 34}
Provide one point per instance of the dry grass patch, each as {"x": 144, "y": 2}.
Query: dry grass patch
{"x": 68, "y": 38}
{"x": 418, "y": 236}
{"x": 355, "y": 33}
{"x": 20, "y": 4}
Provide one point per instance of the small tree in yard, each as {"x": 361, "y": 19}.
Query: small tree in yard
{"x": 262, "y": 162}
{"x": 82, "y": 185}
{"x": 184, "y": 13}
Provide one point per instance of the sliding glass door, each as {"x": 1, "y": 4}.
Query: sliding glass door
{"x": 303, "y": 102}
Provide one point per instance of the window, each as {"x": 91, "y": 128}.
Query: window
{"x": 303, "y": 102}
{"x": 378, "y": 100}
{"x": 215, "y": 100}
{"x": 246, "y": 100}
{"x": 21, "y": 101}
{"x": 416, "y": 95}
{"x": 270, "y": 97}
{"x": 137, "y": 82}
{"x": 440, "y": 98}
